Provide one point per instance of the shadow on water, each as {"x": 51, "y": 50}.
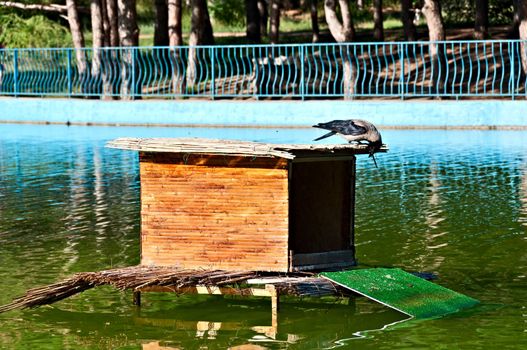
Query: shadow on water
{"x": 452, "y": 203}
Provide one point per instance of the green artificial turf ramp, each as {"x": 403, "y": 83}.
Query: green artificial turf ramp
{"x": 402, "y": 291}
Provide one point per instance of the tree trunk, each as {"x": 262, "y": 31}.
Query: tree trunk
{"x": 436, "y": 32}
{"x": 111, "y": 10}
{"x": 378, "y": 28}
{"x": 407, "y": 17}
{"x": 253, "y": 21}
{"x": 106, "y": 55}
{"x": 111, "y": 39}
{"x": 98, "y": 43}
{"x": 127, "y": 22}
{"x": 176, "y": 39}
{"x": 274, "y": 21}
{"x": 200, "y": 34}
{"x": 343, "y": 32}
{"x": 314, "y": 21}
{"x": 161, "y": 23}
{"x": 97, "y": 26}
{"x": 201, "y": 28}
{"x": 522, "y": 17}
{"x": 75, "y": 25}
{"x": 515, "y": 24}
{"x": 78, "y": 39}
{"x": 349, "y": 75}
{"x": 264, "y": 16}
{"x": 174, "y": 23}
{"x": 434, "y": 20}
{"x": 481, "y": 23}
{"x": 128, "y": 36}
{"x": 360, "y": 4}
{"x": 105, "y": 24}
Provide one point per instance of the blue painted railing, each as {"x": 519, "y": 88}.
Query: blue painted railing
{"x": 481, "y": 69}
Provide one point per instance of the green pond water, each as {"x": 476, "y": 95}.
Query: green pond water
{"x": 452, "y": 203}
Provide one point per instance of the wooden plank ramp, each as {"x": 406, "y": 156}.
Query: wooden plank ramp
{"x": 402, "y": 291}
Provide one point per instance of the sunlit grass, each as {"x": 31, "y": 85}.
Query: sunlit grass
{"x": 390, "y": 23}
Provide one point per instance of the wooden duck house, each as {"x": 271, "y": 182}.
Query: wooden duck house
{"x": 245, "y": 206}
{"x": 216, "y": 213}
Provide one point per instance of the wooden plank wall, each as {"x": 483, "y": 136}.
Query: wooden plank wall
{"x": 214, "y": 212}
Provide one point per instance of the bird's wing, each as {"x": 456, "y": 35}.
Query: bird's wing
{"x": 353, "y": 127}
{"x": 331, "y": 133}
{"x": 344, "y": 127}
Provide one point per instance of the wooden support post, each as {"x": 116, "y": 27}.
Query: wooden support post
{"x": 275, "y": 304}
{"x": 137, "y": 299}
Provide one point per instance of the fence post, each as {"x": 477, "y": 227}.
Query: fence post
{"x": 133, "y": 87}
{"x": 513, "y": 70}
{"x": 70, "y": 85}
{"x": 401, "y": 79}
{"x": 213, "y": 75}
{"x": 256, "y": 59}
{"x": 15, "y": 73}
{"x": 302, "y": 73}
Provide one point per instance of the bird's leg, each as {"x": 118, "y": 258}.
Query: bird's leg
{"x": 374, "y": 161}
{"x": 371, "y": 150}
{"x": 371, "y": 153}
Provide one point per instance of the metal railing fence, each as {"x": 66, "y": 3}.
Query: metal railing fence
{"x": 460, "y": 69}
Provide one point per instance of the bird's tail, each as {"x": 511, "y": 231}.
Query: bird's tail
{"x": 331, "y": 133}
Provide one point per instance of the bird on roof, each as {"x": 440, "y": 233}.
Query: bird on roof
{"x": 354, "y": 130}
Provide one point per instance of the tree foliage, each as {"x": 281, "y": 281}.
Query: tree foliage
{"x": 35, "y": 31}
{"x": 463, "y": 11}
{"x": 30, "y": 28}
{"x": 229, "y": 12}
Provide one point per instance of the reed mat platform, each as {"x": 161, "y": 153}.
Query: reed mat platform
{"x": 177, "y": 280}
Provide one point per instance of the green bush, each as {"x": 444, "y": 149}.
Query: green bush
{"x": 463, "y": 11}
{"x": 228, "y": 12}
{"x": 36, "y": 31}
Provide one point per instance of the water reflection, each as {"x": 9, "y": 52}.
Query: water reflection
{"x": 207, "y": 323}
{"x": 434, "y": 217}
{"x": 523, "y": 196}
{"x": 449, "y": 202}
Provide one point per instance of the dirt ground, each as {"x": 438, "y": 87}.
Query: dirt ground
{"x": 363, "y": 35}
{"x": 495, "y": 33}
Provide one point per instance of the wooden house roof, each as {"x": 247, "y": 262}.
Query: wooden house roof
{"x": 236, "y": 148}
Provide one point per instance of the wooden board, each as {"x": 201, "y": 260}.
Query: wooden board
{"x": 213, "y": 160}
{"x": 214, "y": 212}
{"x": 325, "y": 260}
